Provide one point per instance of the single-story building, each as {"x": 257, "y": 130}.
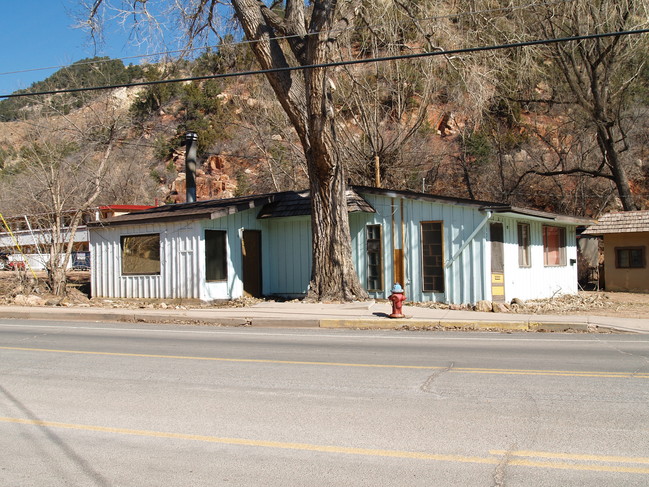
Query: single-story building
{"x": 626, "y": 238}
{"x": 439, "y": 248}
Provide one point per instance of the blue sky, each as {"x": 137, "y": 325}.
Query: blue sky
{"x": 39, "y": 33}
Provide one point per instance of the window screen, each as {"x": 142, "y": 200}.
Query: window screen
{"x": 432, "y": 255}
{"x": 374, "y": 261}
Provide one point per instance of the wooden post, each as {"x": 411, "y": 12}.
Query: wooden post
{"x": 377, "y": 171}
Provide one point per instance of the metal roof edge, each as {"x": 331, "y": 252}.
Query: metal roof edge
{"x": 395, "y": 193}
{"x": 198, "y": 210}
{"x": 542, "y": 215}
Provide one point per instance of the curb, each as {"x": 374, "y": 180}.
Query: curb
{"x": 141, "y": 316}
{"x": 144, "y": 317}
{"x": 396, "y": 324}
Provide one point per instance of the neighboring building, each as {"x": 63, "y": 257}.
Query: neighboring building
{"x": 439, "y": 248}
{"x": 27, "y": 238}
{"x": 626, "y": 238}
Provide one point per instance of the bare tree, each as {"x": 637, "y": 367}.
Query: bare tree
{"x": 69, "y": 163}
{"x": 384, "y": 105}
{"x": 310, "y": 34}
{"x": 270, "y": 139}
{"x": 597, "y": 74}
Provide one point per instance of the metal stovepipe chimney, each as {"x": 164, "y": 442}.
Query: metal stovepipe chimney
{"x": 191, "y": 143}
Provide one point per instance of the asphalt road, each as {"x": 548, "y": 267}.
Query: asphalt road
{"x": 162, "y": 405}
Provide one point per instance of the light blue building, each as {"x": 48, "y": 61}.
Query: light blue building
{"x": 439, "y": 248}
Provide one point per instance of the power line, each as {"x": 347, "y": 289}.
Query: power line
{"x": 253, "y": 41}
{"x": 338, "y": 63}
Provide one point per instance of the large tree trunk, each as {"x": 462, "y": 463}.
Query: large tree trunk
{"x": 306, "y": 99}
{"x": 333, "y": 275}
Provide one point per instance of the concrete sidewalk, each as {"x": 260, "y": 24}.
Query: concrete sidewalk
{"x": 350, "y": 315}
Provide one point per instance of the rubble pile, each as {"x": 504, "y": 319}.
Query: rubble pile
{"x": 568, "y": 303}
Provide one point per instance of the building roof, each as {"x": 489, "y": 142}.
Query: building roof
{"x": 502, "y": 208}
{"x": 298, "y": 203}
{"x": 273, "y": 205}
{"x": 620, "y": 222}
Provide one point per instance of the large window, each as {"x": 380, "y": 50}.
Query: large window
{"x": 630, "y": 257}
{"x": 524, "y": 245}
{"x": 554, "y": 246}
{"x": 216, "y": 255}
{"x": 374, "y": 261}
{"x": 140, "y": 254}
{"x": 432, "y": 255}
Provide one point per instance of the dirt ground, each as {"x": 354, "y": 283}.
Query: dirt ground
{"x": 599, "y": 303}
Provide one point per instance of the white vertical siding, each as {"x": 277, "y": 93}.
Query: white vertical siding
{"x": 178, "y": 262}
{"x": 286, "y": 258}
{"x": 286, "y": 255}
{"x": 234, "y": 225}
{"x": 537, "y": 281}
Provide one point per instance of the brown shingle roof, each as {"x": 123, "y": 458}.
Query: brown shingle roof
{"x": 299, "y": 204}
{"x": 622, "y": 222}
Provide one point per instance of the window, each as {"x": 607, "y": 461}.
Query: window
{"x": 524, "y": 245}
{"x": 554, "y": 246}
{"x": 140, "y": 254}
{"x": 432, "y": 256}
{"x": 629, "y": 257}
{"x": 216, "y": 255}
{"x": 374, "y": 259}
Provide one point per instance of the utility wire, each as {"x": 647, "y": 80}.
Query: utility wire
{"x": 339, "y": 63}
{"x": 253, "y": 41}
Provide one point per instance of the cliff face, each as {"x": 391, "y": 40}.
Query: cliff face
{"x": 213, "y": 180}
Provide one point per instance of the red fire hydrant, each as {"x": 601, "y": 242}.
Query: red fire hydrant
{"x": 397, "y": 298}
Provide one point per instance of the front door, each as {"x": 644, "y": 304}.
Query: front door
{"x": 497, "y": 262}
{"x": 251, "y": 249}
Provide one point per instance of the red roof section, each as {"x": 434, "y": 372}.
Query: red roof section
{"x": 126, "y": 207}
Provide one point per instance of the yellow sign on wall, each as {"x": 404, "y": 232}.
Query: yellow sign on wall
{"x": 497, "y": 285}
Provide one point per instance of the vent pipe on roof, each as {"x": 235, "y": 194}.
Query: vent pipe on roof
{"x": 191, "y": 139}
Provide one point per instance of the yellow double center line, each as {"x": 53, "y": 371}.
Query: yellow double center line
{"x": 464, "y": 370}
{"x": 562, "y": 461}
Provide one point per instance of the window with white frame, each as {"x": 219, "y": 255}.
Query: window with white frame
{"x": 554, "y": 246}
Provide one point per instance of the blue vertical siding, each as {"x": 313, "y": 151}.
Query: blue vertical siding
{"x": 288, "y": 268}
{"x": 463, "y": 278}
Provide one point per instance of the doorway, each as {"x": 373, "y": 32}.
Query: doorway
{"x": 497, "y": 262}
{"x": 251, "y": 251}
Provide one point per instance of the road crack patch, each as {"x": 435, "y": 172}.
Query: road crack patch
{"x": 500, "y": 471}
{"x": 642, "y": 358}
{"x": 427, "y": 385}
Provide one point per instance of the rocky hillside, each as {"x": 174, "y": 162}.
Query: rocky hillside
{"x": 428, "y": 130}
